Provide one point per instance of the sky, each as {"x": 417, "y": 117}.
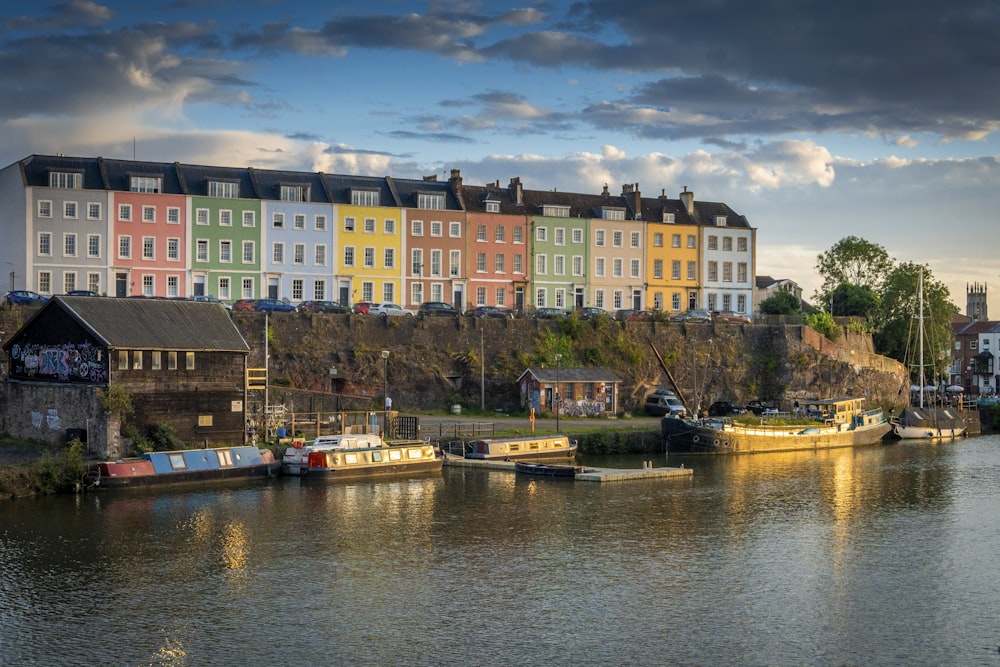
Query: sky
{"x": 816, "y": 120}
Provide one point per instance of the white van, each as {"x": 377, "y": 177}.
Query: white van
{"x": 659, "y": 404}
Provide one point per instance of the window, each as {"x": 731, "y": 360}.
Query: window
{"x": 171, "y": 361}
{"x": 668, "y": 218}
{"x": 348, "y": 256}
{"x": 727, "y": 272}
{"x": 294, "y": 193}
{"x": 480, "y": 296}
{"x": 93, "y": 245}
{"x": 431, "y": 201}
{"x": 692, "y": 242}
{"x": 65, "y": 180}
{"x": 577, "y": 265}
{"x": 278, "y": 253}
{"x": 727, "y": 243}
{"x": 364, "y": 197}
{"x": 69, "y": 210}
{"x": 249, "y": 218}
{"x": 498, "y": 262}
{"x": 349, "y": 223}
{"x": 416, "y": 227}
{"x": 713, "y": 242}
{"x": 633, "y": 268}
{"x": 45, "y": 244}
{"x": 518, "y": 266}
{"x": 692, "y": 270}
{"x": 388, "y": 292}
{"x": 616, "y": 299}
{"x": 147, "y": 184}
{"x": 599, "y": 237}
{"x": 675, "y": 269}
{"x": 720, "y": 221}
{"x": 225, "y": 218}
{"x": 44, "y": 282}
{"x": 298, "y": 287}
{"x": 481, "y": 262}
{"x": 435, "y": 262}
{"x": 542, "y": 234}
{"x": 44, "y": 208}
{"x": 675, "y": 240}
{"x": 319, "y": 289}
{"x": 612, "y": 213}
{"x": 224, "y": 189}
{"x": 500, "y": 234}
{"x": 559, "y": 265}
{"x": 249, "y": 252}
{"x": 319, "y": 255}
{"x": 149, "y": 214}
{"x": 189, "y": 361}
{"x": 658, "y": 269}
{"x": 94, "y": 282}
{"x": 389, "y": 258}
{"x": 389, "y": 226}
{"x": 658, "y": 240}
{"x": 455, "y": 262}
{"x": 741, "y": 272}
{"x": 156, "y": 360}
{"x": 173, "y": 215}
{"x": 93, "y": 211}
{"x": 124, "y": 247}
{"x": 616, "y": 267}
{"x": 492, "y": 207}
{"x": 741, "y": 244}
{"x": 541, "y": 265}
{"x": 455, "y": 230}
{"x": 148, "y": 247}
{"x": 148, "y": 285}
{"x": 501, "y": 296}
{"x": 480, "y": 232}
{"x": 201, "y": 250}
{"x": 226, "y": 252}
{"x": 367, "y": 291}
{"x": 540, "y": 294}
{"x": 599, "y": 267}
{"x": 436, "y": 228}
{"x": 125, "y": 212}
{"x": 299, "y": 221}
{"x": 416, "y": 261}
{"x": 553, "y": 211}
{"x": 69, "y": 281}
{"x": 247, "y": 288}
{"x": 201, "y": 216}
{"x": 741, "y": 303}
{"x": 299, "y": 254}
{"x": 369, "y": 225}
{"x": 713, "y": 271}
{"x": 172, "y": 288}
{"x": 518, "y": 235}
{"x": 675, "y": 301}
{"x": 599, "y": 298}
{"x": 224, "y": 288}
{"x": 369, "y": 257}
{"x": 559, "y": 236}
{"x": 634, "y": 240}
{"x": 617, "y": 238}
{"x": 173, "y": 249}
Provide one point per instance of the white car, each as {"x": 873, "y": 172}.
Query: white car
{"x": 387, "y": 309}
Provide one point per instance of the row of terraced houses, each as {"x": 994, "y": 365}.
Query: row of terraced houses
{"x": 136, "y": 228}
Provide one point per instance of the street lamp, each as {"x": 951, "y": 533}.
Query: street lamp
{"x": 385, "y": 392}
{"x": 555, "y": 393}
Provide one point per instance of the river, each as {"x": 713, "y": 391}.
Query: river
{"x": 883, "y": 555}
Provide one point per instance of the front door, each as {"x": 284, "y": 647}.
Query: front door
{"x": 121, "y": 285}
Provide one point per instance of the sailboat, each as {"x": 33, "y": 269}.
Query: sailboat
{"x": 927, "y": 423}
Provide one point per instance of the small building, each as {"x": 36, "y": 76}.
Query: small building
{"x": 583, "y": 391}
{"x": 182, "y": 363}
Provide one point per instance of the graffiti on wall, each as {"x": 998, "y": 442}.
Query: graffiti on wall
{"x": 49, "y": 420}
{"x": 68, "y": 362}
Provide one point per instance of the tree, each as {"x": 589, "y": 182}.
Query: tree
{"x": 782, "y": 303}
{"x": 852, "y": 261}
{"x": 854, "y": 301}
{"x": 897, "y": 333}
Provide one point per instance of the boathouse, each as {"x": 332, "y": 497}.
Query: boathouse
{"x": 182, "y": 364}
{"x": 582, "y": 391}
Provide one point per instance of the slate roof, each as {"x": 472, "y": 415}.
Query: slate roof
{"x": 151, "y": 324}
{"x": 268, "y": 183}
{"x": 408, "y": 189}
{"x": 548, "y": 374}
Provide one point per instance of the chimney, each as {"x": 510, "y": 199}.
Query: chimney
{"x": 637, "y": 202}
{"x": 432, "y": 177}
{"x": 456, "y": 182}
{"x": 517, "y": 191}
{"x": 687, "y": 199}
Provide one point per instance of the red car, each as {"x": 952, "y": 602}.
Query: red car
{"x": 244, "y": 305}
{"x": 639, "y": 316}
{"x": 361, "y": 307}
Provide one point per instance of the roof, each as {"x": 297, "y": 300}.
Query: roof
{"x": 548, "y": 374}
{"x": 149, "y": 324}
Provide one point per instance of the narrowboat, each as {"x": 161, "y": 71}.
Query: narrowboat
{"x": 524, "y": 448}
{"x": 842, "y": 422}
{"x": 295, "y": 460}
{"x": 184, "y": 466}
{"x": 353, "y": 459}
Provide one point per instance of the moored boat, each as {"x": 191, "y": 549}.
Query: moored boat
{"x": 524, "y": 448}
{"x": 844, "y": 423}
{"x": 184, "y": 466}
{"x": 546, "y": 469}
{"x": 399, "y": 457}
{"x": 295, "y": 460}
{"x": 929, "y": 424}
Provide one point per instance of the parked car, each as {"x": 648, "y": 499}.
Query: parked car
{"x": 320, "y": 306}
{"x": 696, "y": 315}
{"x": 244, "y": 305}
{"x": 81, "y": 292}
{"x": 730, "y": 316}
{"x": 23, "y": 297}
{"x": 549, "y": 313}
{"x": 640, "y": 316}
{"x": 659, "y": 404}
{"x": 724, "y": 409}
{"x": 386, "y": 309}
{"x": 207, "y": 298}
{"x": 761, "y": 407}
{"x": 623, "y": 314}
{"x": 591, "y": 313}
{"x": 273, "y": 306}
{"x": 437, "y": 309}
{"x": 491, "y": 311}
{"x": 361, "y": 307}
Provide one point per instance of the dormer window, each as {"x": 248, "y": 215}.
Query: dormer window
{"x": 432, "y": 201}
{"x": 67, "y": 180}
{"x": 611, "y": 213}
{"x": 294, "y": 193}
{"x": 492, "y": 207}
{"x": 364, "y": 197}
{"x": 224, "y": 189}
{"x": 553, "y": 211}
{"x": 720, "y": 221}
{"x": 146, "y": 184}
{"x": 668, "y": 218}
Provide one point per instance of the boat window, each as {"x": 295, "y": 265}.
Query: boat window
{"x": 514, "y": 447}
{"x": 177, "y": 462}
{"x": 225, "y": 457}
{"x": 533, "y": 445}
{"x": 395, "y": 455}
{"x": 414, "y": 453}
{"x": 376, "y": 456}
{"x": 351, "y": 459}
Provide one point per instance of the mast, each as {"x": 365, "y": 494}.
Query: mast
{"x": 920, "y": 293}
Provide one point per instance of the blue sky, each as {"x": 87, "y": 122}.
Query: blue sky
{"x": 816, "y": 120}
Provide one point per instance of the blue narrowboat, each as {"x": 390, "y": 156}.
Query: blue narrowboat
{"x": 184, "y": 466}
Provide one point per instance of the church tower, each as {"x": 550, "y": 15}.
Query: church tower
{"x": 975, "y": 302}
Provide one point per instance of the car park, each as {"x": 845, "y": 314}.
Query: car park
{"x": 548, "y": 313}
{"x": 491, "y": 311}
{"x": 23, "y": 297}
{"x": 361, "y": 307}
{"x": 386, "y": 309}
{"x": 694, "y": 316}
{"x": 437, "y": 309}
{"x": 730, "y": 316}
{"x": 320, "y": 306}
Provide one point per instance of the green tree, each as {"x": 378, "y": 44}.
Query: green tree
{"x": 852, "y": 261}
{"x": 782, "y": 303}
{"x": 897, "y": 335}
{"x": 824, "y": 323}
{"x": 854, "y": 301}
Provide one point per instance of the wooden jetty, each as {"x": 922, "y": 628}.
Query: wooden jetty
{"x": 588, "y": 474}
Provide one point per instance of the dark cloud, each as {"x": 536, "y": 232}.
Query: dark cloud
{"x": 437, "y": 137}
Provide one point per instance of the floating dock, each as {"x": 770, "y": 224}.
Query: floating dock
{"x": 589, "y": 474}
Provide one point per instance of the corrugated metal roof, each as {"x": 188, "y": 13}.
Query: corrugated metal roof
{"x": 573, "y": 374}
{"x": 154, "y": 324}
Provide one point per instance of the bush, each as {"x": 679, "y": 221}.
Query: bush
{"x": 60, "y": 472}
